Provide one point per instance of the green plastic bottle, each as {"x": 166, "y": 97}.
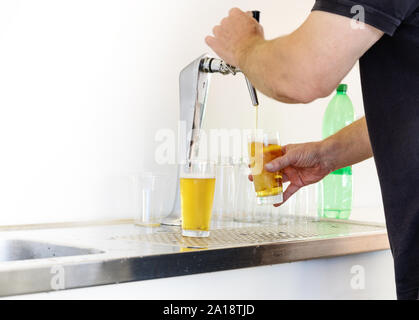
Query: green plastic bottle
{"x": 337, "y": 186}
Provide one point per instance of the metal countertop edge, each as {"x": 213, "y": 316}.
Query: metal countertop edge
{"x": 113, "y": 271}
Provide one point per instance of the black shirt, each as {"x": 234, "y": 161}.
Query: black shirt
{"x": 390, "y": 87}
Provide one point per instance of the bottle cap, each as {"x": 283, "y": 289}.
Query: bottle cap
{"x": 342, "y": 88}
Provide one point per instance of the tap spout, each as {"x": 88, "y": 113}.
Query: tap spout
{"x": 213, "y": 65}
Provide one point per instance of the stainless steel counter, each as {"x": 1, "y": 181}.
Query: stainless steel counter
{"x": 119, "y": 251}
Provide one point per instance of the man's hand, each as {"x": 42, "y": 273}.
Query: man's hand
{"x": 235, "y": 36}
{"x": 307, "y": 163}
{"x": 301, "y": 165}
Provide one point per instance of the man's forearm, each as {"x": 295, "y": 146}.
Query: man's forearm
{"x": 308, "y": 63}
{"x": 348, "y": 146}
{"x": 267, "y": 66}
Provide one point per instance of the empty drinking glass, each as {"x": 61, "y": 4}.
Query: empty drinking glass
{"x": 246, "y": 208}
{"x": 149, "y": 190}
{"x": 307, "y": 203}
{"x": 225, "y": 187}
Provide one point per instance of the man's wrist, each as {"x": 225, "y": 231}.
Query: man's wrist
{"x": 329, "y": 153}
{"x": 246, "y": 54}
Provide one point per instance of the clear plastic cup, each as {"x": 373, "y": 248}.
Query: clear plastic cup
{"x": 245, "y": 209}
{"x": 225, "y": 190}
{"x": 150, "y": 190}
{"x": 307, "y": 203}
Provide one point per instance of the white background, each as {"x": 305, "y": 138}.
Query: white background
{"x": 85, "y": 84}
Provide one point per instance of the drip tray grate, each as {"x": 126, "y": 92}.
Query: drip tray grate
{"x": 260, "y": 234}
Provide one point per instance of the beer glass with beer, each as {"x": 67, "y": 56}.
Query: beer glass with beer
{"x": 197, "y": 185}
{"x": 263, "y": 147}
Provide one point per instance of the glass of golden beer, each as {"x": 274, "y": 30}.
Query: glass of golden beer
{"x": 263, "y": 148}
{"x": 197, "y": 185}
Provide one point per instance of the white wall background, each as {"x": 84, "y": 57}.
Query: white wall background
{"x": 85, "y": 84}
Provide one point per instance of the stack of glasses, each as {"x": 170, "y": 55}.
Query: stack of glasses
{"x": 235, "y": 199}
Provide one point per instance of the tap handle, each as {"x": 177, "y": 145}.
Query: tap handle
{"x": 252, "y": 90}
{"x": 256, "y": 15}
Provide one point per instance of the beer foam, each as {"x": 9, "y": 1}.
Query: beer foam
{"x": 273, "y": 141}
{"x": 266, "y": 141}
{"x": 193, "y": 175}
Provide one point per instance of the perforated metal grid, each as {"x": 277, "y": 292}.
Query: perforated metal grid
{"x": 260, "y": 234}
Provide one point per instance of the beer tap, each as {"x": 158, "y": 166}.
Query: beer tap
{"x": 194, "y": 83}
{"x": 207, "y": 66}
{"x": 213, "y": 65}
